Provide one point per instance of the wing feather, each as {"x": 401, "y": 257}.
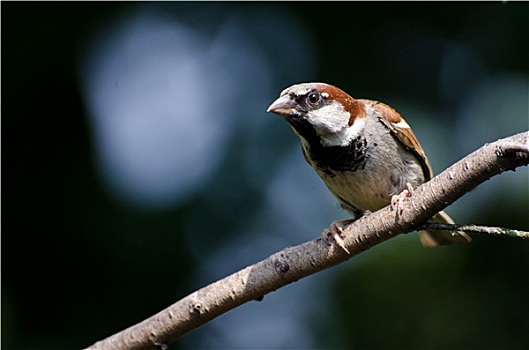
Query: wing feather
{"x": 403, "y": 133}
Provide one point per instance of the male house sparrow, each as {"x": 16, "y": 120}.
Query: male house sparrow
{"x": 364, "y": 151}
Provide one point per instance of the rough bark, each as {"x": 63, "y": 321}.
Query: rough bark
{"x": 293, "y": 263}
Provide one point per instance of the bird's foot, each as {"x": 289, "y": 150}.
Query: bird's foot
{"x": 335, "y": 233}
{"x": 397, "y": 199}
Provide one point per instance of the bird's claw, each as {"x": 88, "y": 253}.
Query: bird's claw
{"x": 397, "y": 199}
{"x": 335, "y": 232}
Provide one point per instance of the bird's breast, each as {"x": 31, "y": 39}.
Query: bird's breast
{"x": 365, "y": 174}
{"x": 360, "y": 190}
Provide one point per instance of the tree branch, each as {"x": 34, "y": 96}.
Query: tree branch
{"x": 293, "y": 263}
{"x": 494, "y": 231}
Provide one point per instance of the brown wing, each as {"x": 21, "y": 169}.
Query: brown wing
{"x": 403, "y": 133}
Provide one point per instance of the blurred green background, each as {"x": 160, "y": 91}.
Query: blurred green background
{"x": 107, "y": 218}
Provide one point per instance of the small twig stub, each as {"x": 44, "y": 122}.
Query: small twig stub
{"x": 489, "y": 230}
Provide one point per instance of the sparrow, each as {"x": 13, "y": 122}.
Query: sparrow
{"x": 363, "y": 150}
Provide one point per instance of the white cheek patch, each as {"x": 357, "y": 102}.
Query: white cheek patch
{"x": 331, "y": 123}
{"x": 356, "y": 129}
{"x": 330, "y": 118}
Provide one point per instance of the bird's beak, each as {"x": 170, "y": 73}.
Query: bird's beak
{"x": 283, "y": 106}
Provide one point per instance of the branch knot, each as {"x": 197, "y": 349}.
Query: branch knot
{"x": 281, "y": 266}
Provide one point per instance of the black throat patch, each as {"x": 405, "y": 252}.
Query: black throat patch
{"x": 330, "y": 159}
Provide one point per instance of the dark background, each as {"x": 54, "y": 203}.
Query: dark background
{"x": 76, "y": 266}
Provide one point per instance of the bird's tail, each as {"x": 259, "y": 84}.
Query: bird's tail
{"x": 434, "y": 238}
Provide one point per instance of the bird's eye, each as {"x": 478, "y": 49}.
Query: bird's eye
{"x": 313, "y": 98}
